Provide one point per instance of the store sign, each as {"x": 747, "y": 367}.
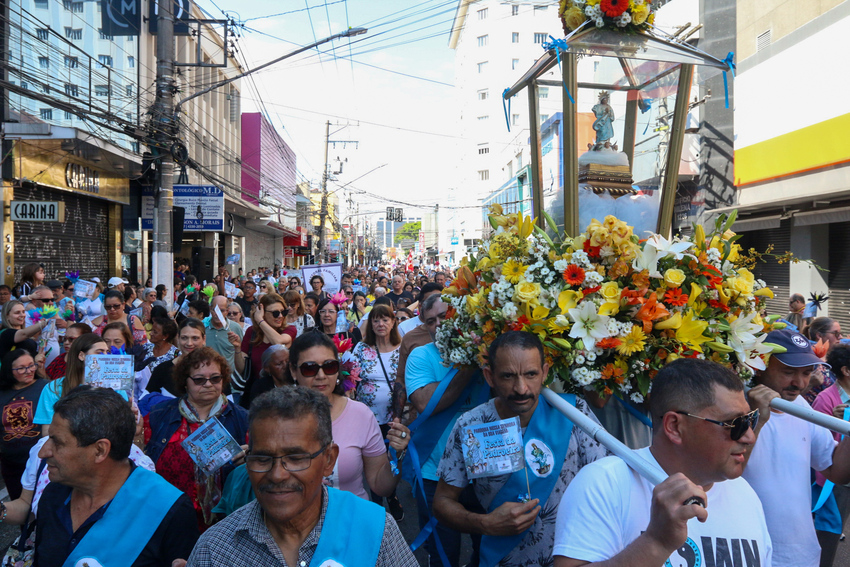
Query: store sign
{"x": 121, "y": 17}
{"x": 455, "y": 241}
{"x": 40, "y": 211}
{"x": 288, "y": 253}
{"x": 82, "y": 178}
{"x": 204, "y": 206}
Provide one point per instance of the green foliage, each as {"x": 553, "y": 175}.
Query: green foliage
{"x": 407, "y": 231}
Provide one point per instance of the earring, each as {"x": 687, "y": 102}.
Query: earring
{"x": 337, "y": 381}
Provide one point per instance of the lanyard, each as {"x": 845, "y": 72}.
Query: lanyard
{"x": 386, "y": 376}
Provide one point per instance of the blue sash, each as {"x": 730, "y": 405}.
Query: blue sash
{"x": 339, "y": 544}
{"x": 546, "y": 441}
{"x": 117, "y": 539}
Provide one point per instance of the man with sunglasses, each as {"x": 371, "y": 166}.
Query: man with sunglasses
{"x": 788, "y": 447}
{"x": 702, "y": 431}
{"x": 295, "y": 519}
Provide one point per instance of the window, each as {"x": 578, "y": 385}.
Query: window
{"x": 514, "y": 10}
{"x": 539, "y": 38}
{"x": 514, "y": 64}
{"x": 25, "y": 85}
{"x": 763, "y": 40}
{"x": 483, "y": 174}
{"x": 126, "y": 37}
{"x": 482, "y": 66}
{"x": 104, "y": 36}
{"x": 483, "y": 150}
{"x": 515, "y": 120}
{"x": 129, "y": 90}
{"x": 483, "y": 95}
{"x": 45, "y": 88}
{"x": 41, "y": 4}
{"x": 515, "y": 37}
{"x": 71, "y": 89}
{"x": 74, "y": 33}
{"x": 482, "y": 40}
{"x": 129, "y": 115}
{"x": 539, "y": 9}
{"x": 66, "y": 4}
{"x": 135, "y": 146}
{"x": 544, "y": 118}
{"x": 44, "y": 62}
{"x": 543, "y": 92}
{"x": 42, "y": 33}
{"x": 131, "y": 62}
{"x": 46, "y": 113}
{"x": 482, "y": 14}
{"x": 71, "y": 62}
{"x": 68, "y": 116}
{"x": 483, "y": 118}
{"x": 78, "y": 7}
{"x": 519, "y": 161}
{"x": 105, "y": 60}
{"x": 101, "y": 90}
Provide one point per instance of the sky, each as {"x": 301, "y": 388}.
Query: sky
{"x": 389, "y": 90}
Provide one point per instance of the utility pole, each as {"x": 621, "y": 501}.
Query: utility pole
{"x": 163, "y": 113}
{"x": 323, "y": 210}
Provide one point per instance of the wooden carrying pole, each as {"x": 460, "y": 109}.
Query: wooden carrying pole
{"x": 674, "y": 151}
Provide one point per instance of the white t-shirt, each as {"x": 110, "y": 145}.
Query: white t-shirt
{"x": 409, "y": 325}
{"x": 778, "y": 470}
{"x": 606, "y": 507}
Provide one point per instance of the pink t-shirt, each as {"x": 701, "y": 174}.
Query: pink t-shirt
{"x": 824, "y": 403}
{"x": 357, "y": 433}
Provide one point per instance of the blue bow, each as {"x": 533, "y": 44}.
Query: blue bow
{"x": 113, "y": 350}
{"x": 559, "y": 45}
{"x": 730, "y": 64}
{"x": 507, "y": 108}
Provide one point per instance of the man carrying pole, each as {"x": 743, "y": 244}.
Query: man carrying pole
{"x": 788, "y": 447}
{"x": 519, "y": 526}
{"x": 702, "y": 431}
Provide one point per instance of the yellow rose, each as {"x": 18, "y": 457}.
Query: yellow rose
{"x": 574, "y": 17}
{"x": 610, "y": 291}
{"x": 674, "y": 277}
{"x": 527, "y": 292}
{"x": 639, "y": 14}
{"x": 741, "y": 285}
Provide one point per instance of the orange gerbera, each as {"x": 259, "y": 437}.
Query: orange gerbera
{"x": 574, "y": 275}
{"x": 675, "y": 297}
{"x": 608, "y": 342}
{"x": 611, "y": 372}
{"x": 613, "y": 8}
{"x": 651, "y": 311}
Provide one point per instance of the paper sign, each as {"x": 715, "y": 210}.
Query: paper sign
{"x": 136, "y": 312}
{"x": 233, "y": 259}
{"x": 211, "y": 446}
{"x": 113, "y": 371}
{"x": 84, "y": 289}
{"x": 331, "y": 273}
{"x": 218, "y": 314}
{"x": 492, "y": 449}
{"x": 230, "y": 290}
{"x": 184, "y": 309}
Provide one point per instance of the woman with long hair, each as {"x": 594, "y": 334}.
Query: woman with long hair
{"x": 295, "y": 313}
{"x": 74, "y": 375}
{"x": 328, "y": 312}
{"x": 235, "y": 314}
{"x": 161, "y": 347}
{"x": 378, "y": 354}
{"x": 113, "y": 304}
{"x": 314, "y": 363}
{"x": 269, "y": 328}
{"x": 825, "y": 332}
{"x": 56, "y": 369}
{"x": 12, "y": 332}
{"x": 20, "y": 390}
{"x": 359, "y": 308}
{"x": 32, "y": 276}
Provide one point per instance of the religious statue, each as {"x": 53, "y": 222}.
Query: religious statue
{"x": 603, "y": 123}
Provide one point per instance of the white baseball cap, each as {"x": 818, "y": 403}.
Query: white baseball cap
{"x": 116, "y": 281}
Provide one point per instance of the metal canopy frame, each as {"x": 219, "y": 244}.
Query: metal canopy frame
{"x": 677, "y": 53}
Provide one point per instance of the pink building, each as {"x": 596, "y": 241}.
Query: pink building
{"x": 268, "y": 169}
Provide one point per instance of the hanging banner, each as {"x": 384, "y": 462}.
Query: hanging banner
{"x": 204, "y": 206}
{"x": 331, "y": 273}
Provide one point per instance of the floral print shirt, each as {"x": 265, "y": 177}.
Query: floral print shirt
{"x": 373, "y": 389}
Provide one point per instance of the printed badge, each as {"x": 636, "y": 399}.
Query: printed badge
{"x": 539, "y": 457}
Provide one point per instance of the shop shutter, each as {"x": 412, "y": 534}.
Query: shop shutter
{"x": 839, "y": 274}
{"x": 776, "y": 275}
{"x": 78, "y": 244}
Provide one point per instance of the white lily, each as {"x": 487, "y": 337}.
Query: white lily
{"x": 669, "y": 248}
{"x": 588, "y": 325}
{"x": 647, "y": 259}
{"x": 742, "y": 338}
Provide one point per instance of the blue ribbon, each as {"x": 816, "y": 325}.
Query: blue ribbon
{"x": 559, "y": 45}
{"x": 507, "y": 108}
{"x": 730, "y": 64}
{"x": 826, "y": 492}
{"x": 634, "y": 411}
{"x": 393, "y": 459}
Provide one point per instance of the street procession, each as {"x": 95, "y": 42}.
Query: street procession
{"x": 446, "y": 283}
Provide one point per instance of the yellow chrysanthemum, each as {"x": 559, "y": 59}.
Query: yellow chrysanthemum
{"x": 633, "y": 342}
{"x": 513, "y": 271}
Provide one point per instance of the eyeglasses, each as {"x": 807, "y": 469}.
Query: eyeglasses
{"x": 70, "y": 289}
{"x": 836, "y": 334}
{"x": 402, "y": 318}
{"x": 327, "y": 312}
{"x": 349, "y": 293}
{"x": 113, "y": 307}
{"x": 25, "y": 369}
{"x": 310, "y": 369}
{"x": 234, "y": 313}
{"x": 263, "y": 287}
{"x": 292, "y": 463}
{"x": 201, "y": 380}
{"x": 276, "y": 313}
{"x": 737, "y": 426}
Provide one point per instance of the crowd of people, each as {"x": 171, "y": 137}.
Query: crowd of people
{"x": 333, "y": 396}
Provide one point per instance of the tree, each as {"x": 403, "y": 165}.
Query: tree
{"x": 409, "y": 230}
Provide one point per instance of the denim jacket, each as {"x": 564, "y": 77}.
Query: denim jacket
{"x": 165, "y": 418}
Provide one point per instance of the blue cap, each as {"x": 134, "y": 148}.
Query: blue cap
{"x": 798, "y": 352}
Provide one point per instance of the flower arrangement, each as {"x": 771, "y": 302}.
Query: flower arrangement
{"x": 620, "y": 15}
{"x": 610, "y": 309}
{"x": 349, "y": 368}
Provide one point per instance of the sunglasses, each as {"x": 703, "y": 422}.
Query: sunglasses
{"x": 113, "y": 307}
{"x": 201, "y": 380}
{"x": 276, "y": 313}
{"x": 737, "y": 427}
{"x": 234, "y": 313}
{"x": 310, "y": 369}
